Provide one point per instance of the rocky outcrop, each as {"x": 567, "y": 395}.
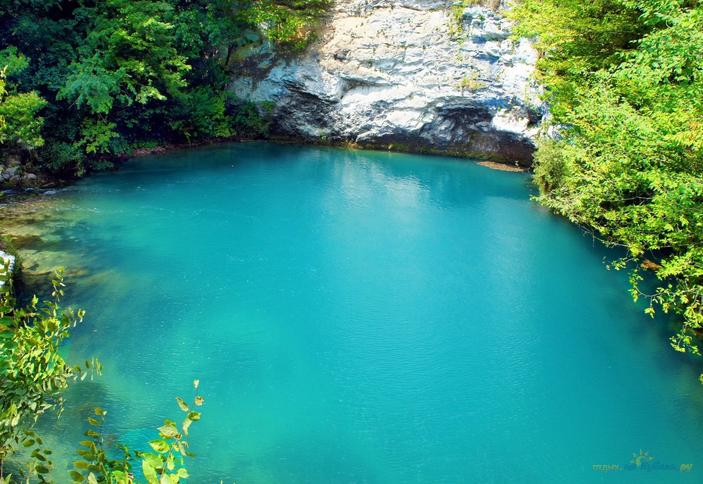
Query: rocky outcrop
{"x": 416, "y": 75}
{"x": 14, "y": 174}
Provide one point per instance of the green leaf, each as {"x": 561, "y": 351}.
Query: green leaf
{"x": 154, "y": 460}
{"x": 76, "y": 476}
{"x": 182, "y": 404}
{"x": 149, "y": 472}
{"x": 160, "y": 446}
{"x": 186, "y": 425}
{"x": 168, "y": 431}
{"x": 119, "y": 477}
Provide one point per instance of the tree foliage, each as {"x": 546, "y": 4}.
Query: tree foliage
{"x": 33, "y": 378}
{"x": 92, "y": 79}
{"x": 164, "y": 463}
{"x": 33, "y": 374}
{"x": 624, "y": 79}
{"x": 20, "y": 123}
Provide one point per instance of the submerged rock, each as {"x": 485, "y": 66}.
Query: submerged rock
{"x": 415, "y": 75}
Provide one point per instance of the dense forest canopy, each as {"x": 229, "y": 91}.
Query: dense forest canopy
{"x": 85, "y": 81}
{"x": 624, "y": 79}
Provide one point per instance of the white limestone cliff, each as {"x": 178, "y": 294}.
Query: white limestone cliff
{"x": 406, "y": 74}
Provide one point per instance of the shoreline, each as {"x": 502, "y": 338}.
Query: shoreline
{"x": 349, "y": 145}
{"x": 54, "y": 183}
{"x": 18, "y": 204}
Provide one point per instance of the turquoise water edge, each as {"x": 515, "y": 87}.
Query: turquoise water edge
{"x": 366, "y": 317}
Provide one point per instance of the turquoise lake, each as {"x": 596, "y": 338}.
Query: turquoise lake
{"x": 365, "y": 317}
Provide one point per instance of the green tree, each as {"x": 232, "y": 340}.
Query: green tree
{"x": 116, "y": 74}
{"x": 20, "y": 123}
{"x": 624, "y": 79}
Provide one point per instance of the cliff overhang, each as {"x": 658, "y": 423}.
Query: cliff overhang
{"x": 415, "y": 75}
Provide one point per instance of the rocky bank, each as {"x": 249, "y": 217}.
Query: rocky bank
{"x": 413, "y": 75}
{"x": 14, "y": 174}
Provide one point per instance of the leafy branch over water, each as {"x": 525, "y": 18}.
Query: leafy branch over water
{"x": 624, "y": 79}
{"x": 33, "y": 378}
{"x": 164, "y": 465}
{"x": 33, "y": 374}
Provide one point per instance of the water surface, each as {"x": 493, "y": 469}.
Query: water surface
{"x": 365, "y": 317}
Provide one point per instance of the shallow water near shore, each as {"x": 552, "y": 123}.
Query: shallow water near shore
{"x": 362, "y": 317}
